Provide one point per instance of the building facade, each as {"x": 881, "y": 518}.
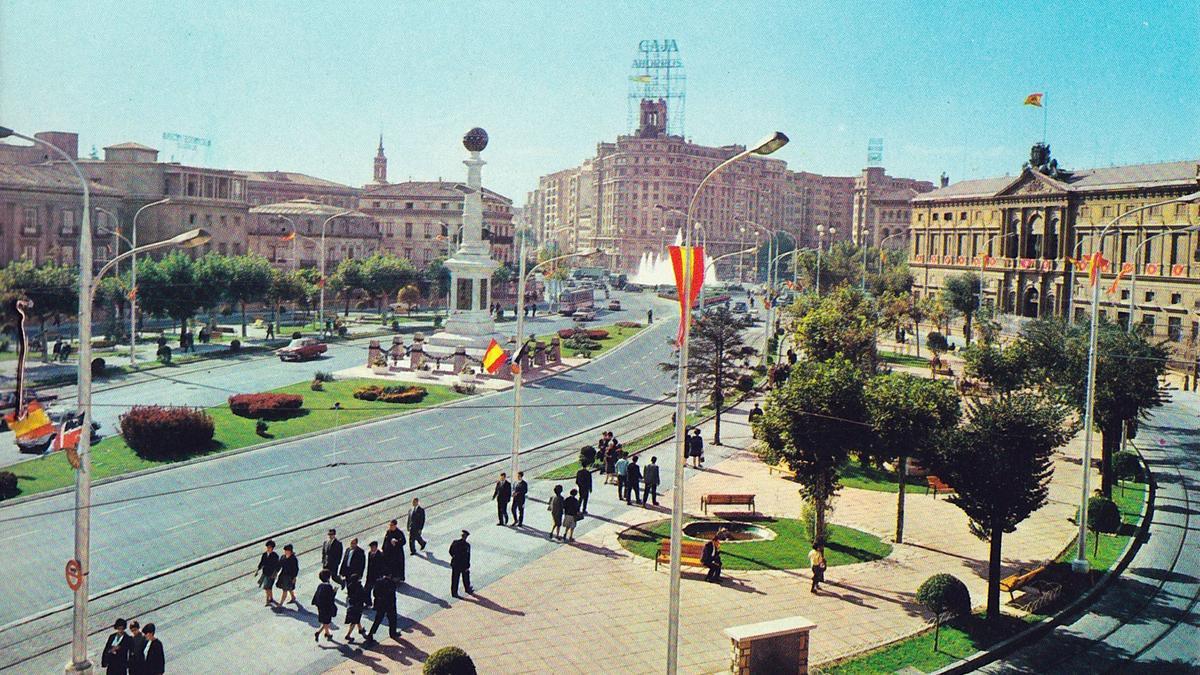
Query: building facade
{"x": 41, "y": 212}
{"x": 882, "y": 207}
{"x": 352, "y": 235}
{"x": 1025, "y": 231}
{"x": 273, "y": 187}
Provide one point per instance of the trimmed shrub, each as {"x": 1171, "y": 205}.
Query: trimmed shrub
{"x": 98, "y": 366}
{"x": 745, "y": 383}
{"x": 1103, "y": 516}
{"x": 323, "y": 376}
{"x": 596, "y": 333}
{"x": 296, "y": 335}
{"x": 629, "y": 324}
{"x": 8, "y": 485}
{"x": 366, "y": 393}
{"x": 155, "y": 432}
{"x": 164, "y": 354}
{"x": 391, "y": 394}
{"x": 235, "y": 345}
{"x": 266, "y": 406}
{"x": 449, "y": 661}
{"x": 566, "y": 333}
{"x": 587, "y": 455}
{"x": 937, "y": 342}
{"x": 1127, "y": 466}
{"x": 463, "y": 387}
{"x": 944, "y": 595}
{"x": 317, "y": 385}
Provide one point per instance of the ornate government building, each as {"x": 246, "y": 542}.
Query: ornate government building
{"x": 1025, "y": 230}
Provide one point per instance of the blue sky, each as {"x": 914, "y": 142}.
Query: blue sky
{"x": 308, "y": 87}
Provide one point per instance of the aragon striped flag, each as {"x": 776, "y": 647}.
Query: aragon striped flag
{"x": 35, "y": 423}
{"x": 494, "y": 357}
{"x": 687, "y": 258}
{"x": 1034, "y": 99}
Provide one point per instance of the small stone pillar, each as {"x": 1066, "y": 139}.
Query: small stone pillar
{"x": 554, "y": 354}
{"x": 539, "y": 354}
{"x": 374, "y": 353}
{"x": 460, "y": 358}
{"x": 779, "y": 646}
{"x": 397, "y": 352}
{"x": 416, "y": 357}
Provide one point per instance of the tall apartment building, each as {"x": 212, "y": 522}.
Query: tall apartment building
{"x": 820, "y": 200}
{"x": 882, "y": 207}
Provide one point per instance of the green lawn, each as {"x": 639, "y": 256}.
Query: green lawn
{"x": 787, "y": 551}
{"x": 568, "y": 471}
{"x": 855, "y": 475}
{"x": 1129, "y": 501}
{"x": 903, "y": 359}
{"x": 111, "y": 457}
{"x": 616, "y": 335}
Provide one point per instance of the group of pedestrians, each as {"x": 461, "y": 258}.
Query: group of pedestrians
{"x": 136, "y": 652}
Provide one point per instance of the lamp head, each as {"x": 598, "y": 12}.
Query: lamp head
{"x": 771, "y": 143}
{"x": 1189, "y": 199}
{"x": 5, "y": 132}
{"x": 191, "y": 238}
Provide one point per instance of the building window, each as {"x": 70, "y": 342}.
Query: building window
{"x": 68, "y": 222}
{"x": 1108, "y": 212}
{"x": 1148, "y": 324}
{"x": 1175, "y": 329}
{"x": 191, "y": 219}
{"x": 375, "y": 204}
{"x": 29, "y": 222}
{"x": 29, "y": 252}
{"x": 1124, "y": 294}
{"x": 408, "y": 205}
{"x": 408, "y": 230}
{"x": 1176, "y": 298}
{"x": 1149, "y": 296}
{"x": 222, "y": 249}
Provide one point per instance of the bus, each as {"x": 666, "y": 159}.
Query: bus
{"x": 574, "y": 299}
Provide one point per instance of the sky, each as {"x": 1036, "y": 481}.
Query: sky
{"x": 308, "y": 87}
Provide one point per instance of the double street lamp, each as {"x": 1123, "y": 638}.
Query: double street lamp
{"x": 821, "y": 230}
{"x": 983, "y": 256}
{"x": 1133, "y": 272}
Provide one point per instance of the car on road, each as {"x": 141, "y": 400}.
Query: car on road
{"x": 740, "y": 308}
{"x": 632, "y": 288}
{"x": 584, "y": 315}
{"x": 614, "y": 305}
{"x": 301, "y": 349}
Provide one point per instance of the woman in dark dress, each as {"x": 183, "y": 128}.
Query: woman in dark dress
{"x": 156, "y": 660}
{"x": 268, "y": 568}
{"x": 289, "y": 569}
{"x": 326, "y": 610}
{"x": 356, "y": 599}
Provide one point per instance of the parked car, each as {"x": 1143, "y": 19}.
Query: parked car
{"x": 632, "y": 288}
{"x": 614, "y": 305}
{"x": 740, "y": 308}
{"x": 301, "y": 349}
{"x": 584, "y": 315}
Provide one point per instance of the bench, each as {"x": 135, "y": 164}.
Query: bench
{"x": 689, "y": 553}
{"x": 781, "y": 468}
{"x": 1046, "y": 591}
{"x": 947, "y": 371}
{"x": 938, "y": 486}
{"x": 714, "y": 499}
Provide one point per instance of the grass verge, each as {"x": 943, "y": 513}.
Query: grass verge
{"x": 899, "y": 359}
{"x": 112, "y": 457}
{"x": 787, "y": 551}
{"x": 616, "y": 335}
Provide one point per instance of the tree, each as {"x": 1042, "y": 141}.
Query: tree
{"x": 937, "y": 312}
{"x": 944, "y": 595}
{"x": 348, "y": 278}
{"x": 114, "y": 291}
{"x": 289, "y": 286}
{"x": 437, "y": 280}
{"x": 918, "y": 310}
{"x": 409, "y": 295}
{"x": 53, "y": 288}
{"x": 999, "y": 464}
{"x": 907, "y": 415}
{"x": 717, "y": 353}
{"x": 1103, "y": 516}
{"x": 176, "y": 286}
{"x": 961, "y": 292}
{"x": 249, "y": 280}
{"x": 841, "y": 323}
{"x": 1003, "y": 367}
{"x": 813, "y": 421}
{"x": 383, "y": 275}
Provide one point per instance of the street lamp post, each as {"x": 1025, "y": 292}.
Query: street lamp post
{"x": 983, "y": 256}
{"x": 821, "y": 245}
{"x": 1133, "y": 273}
{"x": 862, "y": 242}
{"x": 765, "y": 147}
{"x": 132, "y": 274}
{"x": 321, "y": 311}
{"x": 1080, "y": 563}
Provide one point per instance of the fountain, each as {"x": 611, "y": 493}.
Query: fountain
{"x": 654, "y": 269}
{"x": 727, "y": 531}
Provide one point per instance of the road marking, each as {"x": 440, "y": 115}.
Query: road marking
{"x": 441, "y": 449}
{"x": 268, "y": 499}
{"x": 472, "y": 418}
{"x": 334, "y": 480}
{"x": 557, "y": 414}
{"x": 190, "y": 522}
{"x": 389, "y": 440}
{"x": 274, "y": 468}
{"x": 119, "y": 508}
{"x": 337, "y": 452}
{"x": 483, "y": 438}
{"x": 436, "y": 426}
{"x": 18, "y": 536}
{"x": 527, "y": 424}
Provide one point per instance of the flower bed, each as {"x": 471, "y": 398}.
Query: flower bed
{"x": 266, "y": 406}
{"x": 590, "y": 333}
{"x": 391, "y": 394}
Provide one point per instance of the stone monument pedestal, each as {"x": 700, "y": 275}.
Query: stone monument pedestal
{"x": 775, "y": 647}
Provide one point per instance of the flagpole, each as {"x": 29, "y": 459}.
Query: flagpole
{"x": 1044, "y": 113}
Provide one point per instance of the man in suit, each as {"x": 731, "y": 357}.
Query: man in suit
{"x": 583, "y": 481}
{"x": 711, "y": 558}
{"x": 460, "y": 565}
{"x": 331, "y": 556}
{"x": 156, "y": 660}
{"x": 137, "y": 648}
{"x": 414, "y": 525}
{"x": 393, "y": 558}
{"x": 354, "y": 561}
{"x": 650, "y": 481}
{"x": 633, "y": 481}
{"x": 375, "y": 564}
{"x": 384, "y": 592}
{"x": 115, "y": 657}
{"x": 502, "y": 493}
{"x": 520, "y": 490}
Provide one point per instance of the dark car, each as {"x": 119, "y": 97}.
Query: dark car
{"x": 301, "y": 349}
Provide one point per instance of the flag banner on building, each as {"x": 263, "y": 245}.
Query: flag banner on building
{"x": 33, "y": 424}
{"x": 494, "y": 357}
{"x": 1096, "y": 263}
{"x": 1034, "y": 99}
{"x": 1126, "y": 268}
{"x": 687, "y": 258}
{"x": 321, "y": 282}
{"x": 288, "y": 237}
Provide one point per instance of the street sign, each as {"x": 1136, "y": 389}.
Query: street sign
{"x": 74, "y": 574}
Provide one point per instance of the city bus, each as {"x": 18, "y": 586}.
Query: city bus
{"x": 574, "y": 299}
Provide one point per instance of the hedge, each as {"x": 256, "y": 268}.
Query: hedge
{"x": 8, "y": 484}
{"x": 266, "y": 406}
{"x": 629, "y": 324}
{"x": 156, "y": 432}
{"x": 391, "y": 394}
{"x": 589, "y": 333}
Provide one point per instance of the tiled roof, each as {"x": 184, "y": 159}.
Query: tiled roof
{"x": 47, "y": 177}
{"x": 425, "y": 189}
{"x": 130, "y": 146}
{"x": 290, "y": 177}
{"x": 303, "y": 207}
{"x": 1135, "y": 175}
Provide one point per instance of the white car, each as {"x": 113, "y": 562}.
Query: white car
{"x": 584, "y": 315}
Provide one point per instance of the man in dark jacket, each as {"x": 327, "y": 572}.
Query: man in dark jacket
{"x": 650, "y": 480}
{"x": 375, "y": 565}
{"x": 415, "y": 524}
{"x": 354, "y": 561}
{"x": 520, "y": 490}
{"x": 696, "y": 447}
{"x": 115, "y": 657}
{"x": 137, "y": 648}
{"x": 633, "y": 481}
{"x": 711, "y": 558}
{"x": 384, "y": 592}
{"x": 156, "y": 660}
{"x": 460, "y": 565}
{"x": 393, "y": 559}
{"x": 331, "y": 556}
{"x": 583, "y": 481}
{"x": 502, "y": 493}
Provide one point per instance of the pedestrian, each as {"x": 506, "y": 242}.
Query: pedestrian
{"x": 710, "y": 557}
{"x": 393, "y": 558}
{"x": 622, "y": 467}
{"x": 356, "y": 599}
{"x": 268, "y": 568}
{"x": 384, "y": 593}
{"x": 354, "y": 561}
{"x": 649, "y": 316}
{"x": 502, "y": 493}
{"x": 633, "y": 481}
{"x": 610, "y": 462}
{"x": 816, "y": 560}
{"x": 602, "y": 451}
{"x": 520, "y": 491}
{"x": 323, "y": 600}
{"x": 755, "y": 413}
{"x": 751, "y": 302}
{"x": 696, "y": 447}
{"x": 58, "y": 345}
{"x": 393, "y": 532}
{"x": 115, "y": 657}
{"x": 375, "y": 564}
{"x": 415, "y": 524}
{"x": 270, "y": 331}
{"x": 650, "y": 480}
{"x": 137, "y": 649}
{"x": 791, "y": 356}
{"x": 156, "y": 660}
{"x": 331, "y": 556}
{"x": 460, "y": 565}
{"x": 555, "y": 507}
{"x": 289, "y": 569}
{"x": 570, "y": 507}
{"x": 583, "y": 481}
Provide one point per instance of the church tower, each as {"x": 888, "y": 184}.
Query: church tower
{"x": 380, "y": 164}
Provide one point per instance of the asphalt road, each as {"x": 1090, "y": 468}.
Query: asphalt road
{"x": 245, "y": 496}
{"x": 1147, "y": 621}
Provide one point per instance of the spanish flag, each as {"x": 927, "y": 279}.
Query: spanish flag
{"x": 1095, "y": 264}
{"x": 691, "y": 259}
{"x": 1034, "y": 99}
{"x": 35, "y": 423}
{"x": 494, "y": 357}
{"x": 133, "y": 294}
{"x": 288, "y": 237}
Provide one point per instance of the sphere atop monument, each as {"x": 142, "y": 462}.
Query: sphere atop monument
{"x": 475, "y": 140}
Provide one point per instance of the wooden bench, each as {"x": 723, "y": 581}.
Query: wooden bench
{"x": 946, "y": 370}
{"x": 938, "y": 486}
{"x": 714, "y": 499}
{"x": 781, "y": 468}
{"x": 689, "y": 553}
{"x": 1014, "y": 582}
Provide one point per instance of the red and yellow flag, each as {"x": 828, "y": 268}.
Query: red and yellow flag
{"x": 35, "y": 423}
{"x": 1126, "y": 268}
{"x": 133, "y": 294}
{"x": 691, "y": 260}
{"x": 288, "y": 237}
{"x": 1096, "y": 263}
{"x": 494, "y": 357}
{"x": 1034, "y": 99}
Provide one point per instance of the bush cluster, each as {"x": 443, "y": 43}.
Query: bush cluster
{"x": 588, "y": 333}
{"x": 629, "y": 324}
{"x": 1126, "y": 465}
{"x": 323, "y": 376}
{"x": 266, "y": 406}
{"x": 155, "y": 432}
{"x": 944, "y": 594}
{"x": 391, "y": 394}
{"x": 449, "y": 661}
{"x": 8, "y": 484}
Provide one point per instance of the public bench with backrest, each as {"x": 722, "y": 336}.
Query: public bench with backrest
{"x": 715, "y": 499}
{"x": 689, "y": 553}
{"x": 938, "y": 486}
